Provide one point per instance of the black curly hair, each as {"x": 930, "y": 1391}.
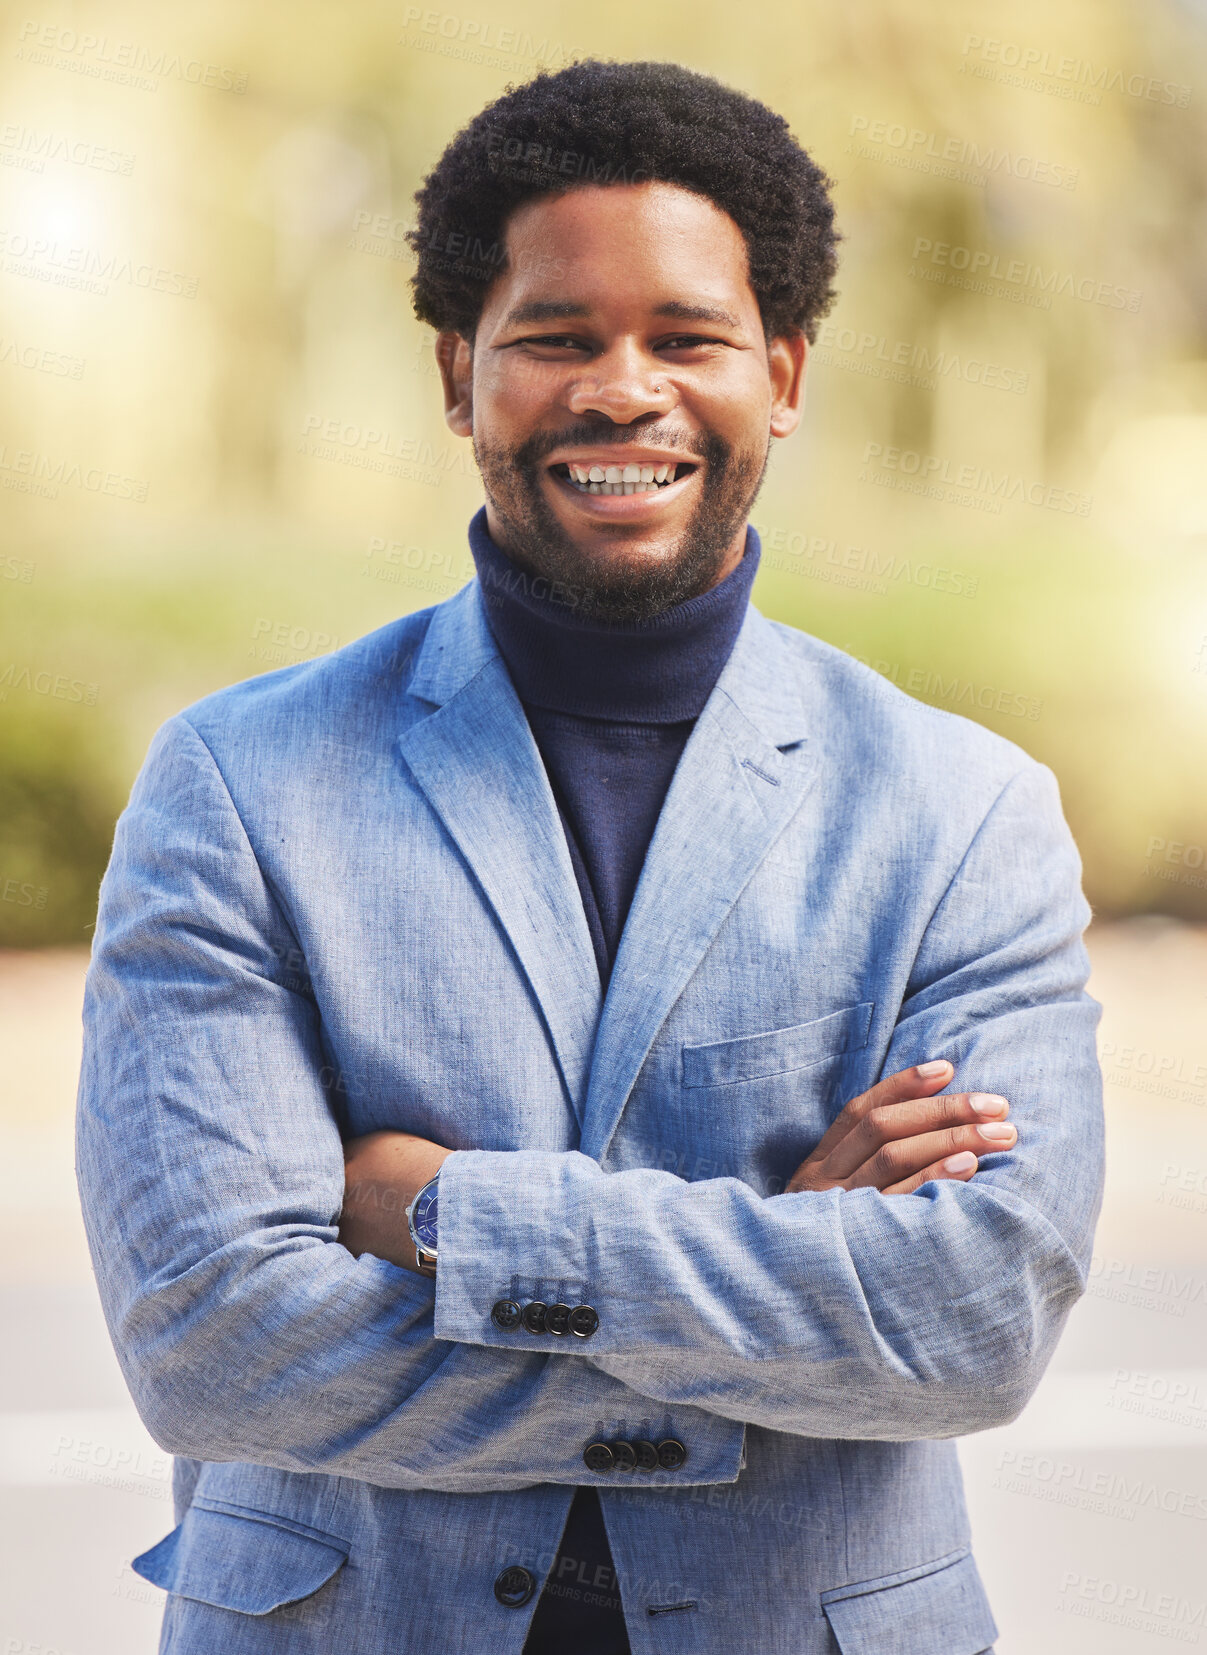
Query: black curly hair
{"x": 626, "y": 123}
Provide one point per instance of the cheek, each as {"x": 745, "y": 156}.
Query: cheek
{"x": 736, "y": 406}
{"x": 520, "y": 388}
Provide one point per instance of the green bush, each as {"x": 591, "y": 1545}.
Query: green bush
{"x": 58, "y": 803}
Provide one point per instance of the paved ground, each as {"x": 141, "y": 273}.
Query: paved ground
{"x": 1089, "y": 1513}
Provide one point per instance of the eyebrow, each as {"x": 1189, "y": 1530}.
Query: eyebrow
{"x": 680, "y": 312}
{"x": 550, "y": 310}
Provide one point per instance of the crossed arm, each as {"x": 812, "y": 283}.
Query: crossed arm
{"x": 830, "y": 1310}
{"x": 894, "y": 1138}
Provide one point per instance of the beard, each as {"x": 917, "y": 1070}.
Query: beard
{"x": 617, "y": 588}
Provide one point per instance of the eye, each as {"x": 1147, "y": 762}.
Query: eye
{"x": 553, "y": 341}
{"x": 686, "y": 341}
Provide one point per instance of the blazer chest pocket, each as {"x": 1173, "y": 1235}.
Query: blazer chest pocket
{"x": 779, "y": 1051}
{"x": 938, "y": 1608}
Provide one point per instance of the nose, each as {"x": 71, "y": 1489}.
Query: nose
{"x": 624, "y": 384}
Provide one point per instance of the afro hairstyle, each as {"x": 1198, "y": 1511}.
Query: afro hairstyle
{"x": 597, "y": 123}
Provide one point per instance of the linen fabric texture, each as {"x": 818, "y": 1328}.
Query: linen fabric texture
{"x": 340, "y": 900}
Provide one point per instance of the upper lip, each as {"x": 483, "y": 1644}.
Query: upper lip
{"x": 621, "y": 456}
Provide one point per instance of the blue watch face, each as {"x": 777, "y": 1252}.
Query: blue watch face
{"x": 424, "y": 1217}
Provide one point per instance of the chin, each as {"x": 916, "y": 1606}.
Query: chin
{"x": 609, "y": 548}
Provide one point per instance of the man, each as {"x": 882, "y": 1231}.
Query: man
{"x": 663, "y": 975}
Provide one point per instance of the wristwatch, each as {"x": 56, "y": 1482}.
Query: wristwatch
{"x": 421, "y": 1221}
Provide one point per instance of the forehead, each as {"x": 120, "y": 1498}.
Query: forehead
{"x": 623, "y": 244}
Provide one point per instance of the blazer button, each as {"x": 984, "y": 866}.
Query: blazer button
{"x": 557, "y": 1318}
{"x": 514, "y": 1586}
{"x": 646, "y": 1454}
{"x": 598, "y": 1456}
{"x": 505, "y": 1314}
{"x": 671, "y": 1453}
{"x": 533, "y": 1315}
{"x": 584, "y": 1320}
{"x": 623, "y": 1455}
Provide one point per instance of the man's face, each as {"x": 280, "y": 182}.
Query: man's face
{"x": 623, "y": 341}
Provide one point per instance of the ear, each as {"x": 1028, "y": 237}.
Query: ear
{"x": 787, "y": 355}
{"x": 455, "y": 359}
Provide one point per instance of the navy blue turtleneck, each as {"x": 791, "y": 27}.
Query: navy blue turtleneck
{"x": 611, "y": 707}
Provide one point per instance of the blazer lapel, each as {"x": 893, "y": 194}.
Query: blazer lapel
{"x": 744, "y": 772}
{"x": 476, "y": 761}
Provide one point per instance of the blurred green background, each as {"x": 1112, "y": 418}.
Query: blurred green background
{"x": 221, "y": 444}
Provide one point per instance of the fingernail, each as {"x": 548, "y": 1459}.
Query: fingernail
{"x": 987, "y": 1103}
{"x": 1000, "y": 1134}
{"x": 963, "y": 1162}
{"x": 928, "y": 1071}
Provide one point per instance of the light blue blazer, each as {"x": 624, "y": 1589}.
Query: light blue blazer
{"x": 340, "y": 899}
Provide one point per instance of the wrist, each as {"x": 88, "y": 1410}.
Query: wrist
{"x": 422, "y": 1223}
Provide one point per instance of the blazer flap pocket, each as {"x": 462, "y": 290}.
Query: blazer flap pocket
{"x": 248, "y": 1561}
{"x": 939, "y": 1608}
{"x": 755, "y": 1056}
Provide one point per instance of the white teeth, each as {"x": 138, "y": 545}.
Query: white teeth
{"x": 614, "y": 479}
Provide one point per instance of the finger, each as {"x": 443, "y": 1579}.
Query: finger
{"x": 955, "y": 1169}
{"x": 889, "y": 1123}
{"x": 906, "y": 1156}
{"x": 919, "y": 1081}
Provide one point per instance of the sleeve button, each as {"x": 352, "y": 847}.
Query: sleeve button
{"x": 622, "y": 1454}
{"x": 671, "y": 1453}
{"x": 505, "y": 1314}
{"x": 557, "y": 1318}
{"x": 598, "y": 1456}
{"x": 646, "y": 1454}
{"x": 533, "y": 1315}
{"x": 584, "y": 1319}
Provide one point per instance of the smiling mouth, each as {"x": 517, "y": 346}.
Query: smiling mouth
{"x": 621, "y": 479}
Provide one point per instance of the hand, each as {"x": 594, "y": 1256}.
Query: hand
{"x": 383, "y": 1173}
{"x": 897, "y": 1137}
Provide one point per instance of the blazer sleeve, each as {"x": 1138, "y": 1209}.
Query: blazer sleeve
{"x": 211, "y": 1173}
{"x": 850, "y": 1313}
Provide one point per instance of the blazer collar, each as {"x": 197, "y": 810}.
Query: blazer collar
{"x": 457, "y": 645}
{"x": 747, "y": 767}
{"x": 475, "y": 758}
{"x": 761, "y": 677}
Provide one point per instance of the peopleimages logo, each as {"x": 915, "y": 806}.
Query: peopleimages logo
{"x": 116, "y": 60}
{"x": 880, "y": 357}
{"x": 87, "y": 269}
{"x": 980, "y": 264}
{"x": 482, "y": 41}
{"x": 40, "y": 147}
{"x": 934, "y": 473}
{"x": 1075, "y": 72}
{"x": 1118, "y": 1494}
{"x": 915, "y": 146}
{"x": 1137, "y": 1606}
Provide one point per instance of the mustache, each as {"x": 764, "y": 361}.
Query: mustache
{"x": 596, "y": 433}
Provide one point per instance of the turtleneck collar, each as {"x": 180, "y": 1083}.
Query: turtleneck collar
{"x": 657, "y": 671}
